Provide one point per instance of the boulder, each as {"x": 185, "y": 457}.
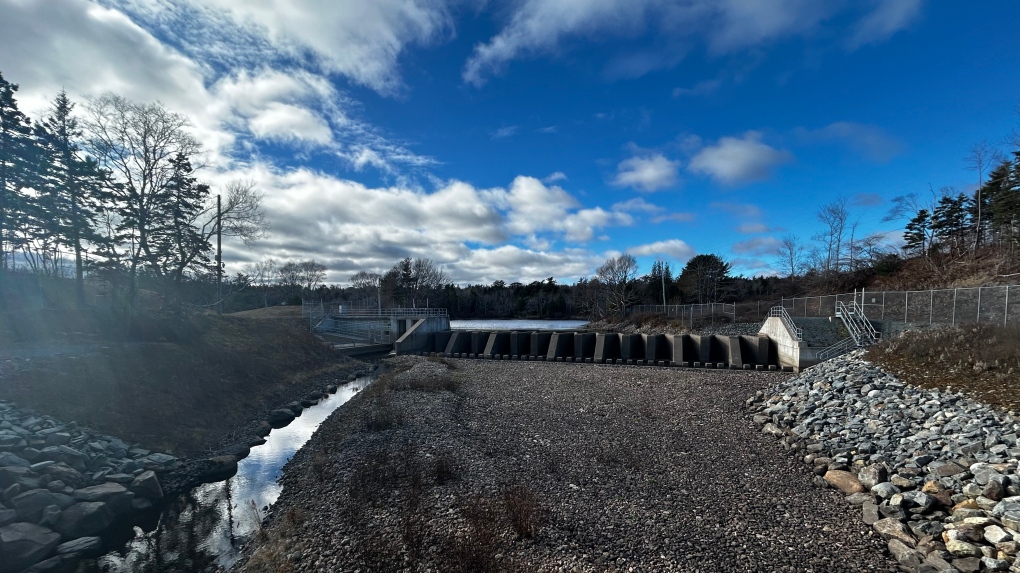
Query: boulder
{"x": 51, "y": 565}
{"x": 25, "y": 477}
{"x": 891, "y": 528}
{"x": 23, "y": 544}
{"x": 8, "y": 459}
{"x": 844, "y": 481}
{"x": 904, "y": 554}
{"x": 280, "y": 418}
{"x": 218, "y": 468}
{"x": 81, "y": 547}
{"x": 146, "y": 486}
{"x": 7, "y": 516}
{"x": 66, "y": 474}
{"x": 84, "y": 518}
{"x": 50, "y": 515}
{"x": 30, "y": 504}
{"x": 295, "y": 408}
{"x": 873, "y": 475}
{"x": 115, "y": 495}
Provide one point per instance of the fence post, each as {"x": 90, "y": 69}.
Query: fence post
{"x": 931, "y": 307}
{"x": 883, "y": 305}
{"x": 1005, "y": 315}
{"x": 956, "y": 292}
{"x": 979, "y": 306}
{"x": 906, "y": 305}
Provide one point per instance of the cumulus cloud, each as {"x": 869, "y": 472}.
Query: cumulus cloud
{"x": 554, "y": 177}
{"x": 637, "y": 204}
{"x": 704, "y": 87}
{"x": 738, "y": 160}
{"x": 546, "y": 27}
{"x": 885, "y": 19}
{"x": 672, "y": 248}
{"x": 758, "y": 246}
{"x": 870, "y": 141}
{"x": 647, "y": 173}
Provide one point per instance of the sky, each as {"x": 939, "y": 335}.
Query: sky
{"x": 526, "y": 139}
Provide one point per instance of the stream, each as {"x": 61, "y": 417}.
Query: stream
{"x": 204, "y": 529}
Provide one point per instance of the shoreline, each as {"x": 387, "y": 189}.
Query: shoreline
{"x": 459, "y": 465}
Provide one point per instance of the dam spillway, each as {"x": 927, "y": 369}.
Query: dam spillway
{"x": 741, "y": 352}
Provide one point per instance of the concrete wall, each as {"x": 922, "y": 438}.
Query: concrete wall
{"x": 710, "y": 351}
{"x": 790, "y": 352}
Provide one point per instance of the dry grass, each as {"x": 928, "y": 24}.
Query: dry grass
{"x": 982, "y": 361}
{"x": 523, "y": 510}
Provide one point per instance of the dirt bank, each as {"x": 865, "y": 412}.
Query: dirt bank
{"x": 498, "y": 466}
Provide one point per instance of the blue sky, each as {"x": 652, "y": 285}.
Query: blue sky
{"x": 531, "y": 138}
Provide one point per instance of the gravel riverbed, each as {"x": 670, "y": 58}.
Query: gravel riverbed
{"x": 494, "y": 466}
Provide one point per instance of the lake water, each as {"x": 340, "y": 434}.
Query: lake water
{"x": 517, "y": 324}
{"x": 206, "y": 525}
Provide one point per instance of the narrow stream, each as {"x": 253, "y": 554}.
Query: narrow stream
{"x": 205, "y": 527}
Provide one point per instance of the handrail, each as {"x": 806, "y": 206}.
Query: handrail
{"x": 848, "y": 321}
{"x": 868, "y": 327}
{"x": 388, "y": 312}
{"x": 780, "y": 313}
{"x": 841, "y": 347}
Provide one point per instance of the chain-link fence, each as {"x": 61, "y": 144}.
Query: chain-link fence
{"x": 725, "y": 312}
{"x": 990, "y": 305}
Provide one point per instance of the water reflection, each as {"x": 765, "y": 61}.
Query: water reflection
{"x": 204, "y": 528}
{"x": 517, "y": 324}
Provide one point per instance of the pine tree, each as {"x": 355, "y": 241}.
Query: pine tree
{"x": 917, "y": 232}
{"x": 18, "y": 156}
{"x": 949, "y": 222}
{"x": 177, "y": 244}
{"x": 73, "y": 190}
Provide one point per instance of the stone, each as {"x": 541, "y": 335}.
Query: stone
{"x": 58, "y": 439}
{"x": 295, "y": 408}
{"x": 884, "y": 490}
{"x": 280, "y": 418}
{"x": 891, "y": 528}
{"x": 140, "y": 504}
{"x": 773, "y": 430}
{"x": 962, "y": 548}
{"x": 859, "y": 498}
{"x": 50, "y": 565}
{"x": 870, "y": 513}
{"x": 30, "y": 505}
{"x": 7, "y": 459}
{"x": 7, "y": 516}
{"x": 66, "y": 474}
{"x": 84, "y": 518}
{"x": 918, "y": 499}
{"x": 50, "y": 515}
{"x": 967, "y": 564}
{"x": 11, "y": 492}
{"x": 23, "y": 544}
{"x": 992, "y": 564}
{"x": 16, "y": 475}
{"x": 81, "y": 547}
{"x": 904, "y": 554}
{"x": 843, "y": 481}
{"x": 948, "y": 469}
{"x": 939, "y": 564}
{"x": 218, "y": 468}
{"x": 115, "y": 495}
{"x": 873, "y": 475}
{"x": 146, "y": 485}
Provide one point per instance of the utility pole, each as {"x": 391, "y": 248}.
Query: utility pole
{"x": 219, "y": 257}
{"x": 662, "y": 275}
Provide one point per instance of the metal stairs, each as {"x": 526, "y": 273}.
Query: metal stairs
{"x": 862, "y": 333}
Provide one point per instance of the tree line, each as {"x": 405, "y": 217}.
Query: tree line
{"x": 115, "y": 187}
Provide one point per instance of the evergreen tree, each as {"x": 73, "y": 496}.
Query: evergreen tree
{"x": 73, "y": 190}
{"x": 949, "y": 222}
{"x": 916, "y": 236}
{"x": 18, "y": 156}
{"x": 177, "y": 244}
{"x": 703, "y": 276}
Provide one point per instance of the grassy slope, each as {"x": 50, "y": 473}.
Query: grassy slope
{"x": 172, "y": 383}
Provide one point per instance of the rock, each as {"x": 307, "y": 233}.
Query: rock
{"x": 159, "y": 461}
{"x": 872, "y": 475}
{"x": 904, "y": 554}
{"x": 890, "y": 528}
{"x": 11, "y": 492}
{"x": 967, "y": 564}
{"x": 146, "y": 485}
{"x": 843, "y": 481}
{"x": 295, "y": 408}
{"x": 884, "y": 490}
{"x": 50, "y": 565}
{"x": 280, "y": 418}
{"x": 947, "y": 469}
{"x": 58, "y": 439}
{"x": 27, "y": 478}
{"x": 773, "y": 430}
{"x": 66, "y": 474}
{"x": 7, "y": 516}
{"x": 218, "y": 468}
{"x": 995, "y": 534}
{"x": 8, "y": 459}
{"x": 263, "y": 428}
{"x": 84, "y": 518}
{"x": 23, "y": 544}
{"x": 81, "y": 547}
{"x": 870, "y": 513}
{"x": 992, "y": 564}
{"x": 962, "y": 548}
{"x": 50, "y": 515}
{"x": 115, "y": 495}
{"x": 140, "y": 504}
{"x": 939, "y": 564}
{"x": 30, "y": 505}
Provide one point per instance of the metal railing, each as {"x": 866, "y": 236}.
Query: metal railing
{"x": 780, "y": 313}
{"x": 686, "y": 311}
{"x": 841, "y": 347}
{"x": 341, "y": 310}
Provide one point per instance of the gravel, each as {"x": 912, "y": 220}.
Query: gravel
{"x": 629, "y": 469}
{"x": 937, "y": 470}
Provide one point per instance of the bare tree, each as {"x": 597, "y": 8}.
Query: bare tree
{"x": 791, "y": 255}
{"x": 263, "y": 274}
{"x": 833, "y": 217}
{"x": 138, "y": 143}
{"x": 617, "y": 276}
{"x": 306, "y": 275}
{"x": 982, "y": 156}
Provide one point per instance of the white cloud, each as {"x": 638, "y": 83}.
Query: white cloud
{"x": 675, "y": 217}
{"x": 887, "y": 18}
{"x": 733, "y": 160}
{"x": 505, "y": 132}
{"x": 758, "y": 246}
{"x": 362, "y": 40}
{"x": 868, "y": 140}
{"x": 287, "y": 122}
{"x": 704, "y": 87}
{"x": 543, "y": 27}
{"x": 754, "y": 228}
{"x": 554, "y": 177}
{"x": 743, "y": 210}
{"x": 647, "y": 173}
{"x": 637, "y": 204}
{"x": 673, "y": 248}
{"x": 534, "y": 207}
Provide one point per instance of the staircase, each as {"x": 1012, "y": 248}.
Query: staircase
{"x": 862, "y": 333}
